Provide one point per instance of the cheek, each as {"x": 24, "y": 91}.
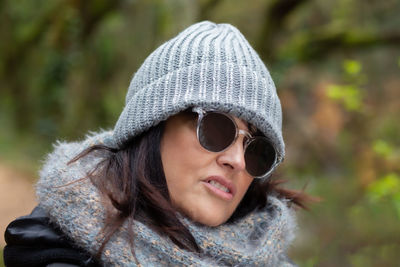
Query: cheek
{"x": 181, "y": 159}
{"x": 181, "y": 171}
{"x": 176, "y": 154}
{"x": 242, "y": 185}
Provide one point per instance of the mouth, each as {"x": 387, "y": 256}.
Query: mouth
{"x": 221, "y": 187}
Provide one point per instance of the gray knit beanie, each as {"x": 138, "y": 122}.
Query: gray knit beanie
{"x": 207, "y": 65}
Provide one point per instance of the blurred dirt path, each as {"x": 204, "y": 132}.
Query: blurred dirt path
{"x": 17, "y": 196}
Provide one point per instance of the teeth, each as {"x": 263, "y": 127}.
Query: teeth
{"x": 219, "y": 186}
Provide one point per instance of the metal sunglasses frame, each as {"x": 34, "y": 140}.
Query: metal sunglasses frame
{"x": 249, "y": 137}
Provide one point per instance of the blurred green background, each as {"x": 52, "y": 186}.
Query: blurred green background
{"x": 65, "y": 66}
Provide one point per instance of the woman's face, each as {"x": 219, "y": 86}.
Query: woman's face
{"x": 205, "y": 186}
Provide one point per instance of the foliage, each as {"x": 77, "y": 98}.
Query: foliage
{"x": 65, "y": 67}
{"x": 349, "y": 94}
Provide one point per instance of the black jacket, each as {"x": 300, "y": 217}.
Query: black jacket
{"x": 33, "y": 241}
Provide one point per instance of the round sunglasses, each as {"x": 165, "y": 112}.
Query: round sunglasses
{"x": 217, "y": 131}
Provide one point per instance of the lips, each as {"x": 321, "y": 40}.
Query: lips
{"x": 221, "y": 187}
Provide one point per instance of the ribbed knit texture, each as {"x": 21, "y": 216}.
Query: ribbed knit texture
{"x": 259, "y": 239}
{"x": 208, "y": 65}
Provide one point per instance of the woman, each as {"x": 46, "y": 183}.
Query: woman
{"x": 183, "y": 179}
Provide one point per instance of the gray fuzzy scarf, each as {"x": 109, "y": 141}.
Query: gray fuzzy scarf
{"x": 259, "y": 239}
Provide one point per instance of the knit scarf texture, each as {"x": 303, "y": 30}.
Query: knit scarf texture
{"x": 259, "y": 239}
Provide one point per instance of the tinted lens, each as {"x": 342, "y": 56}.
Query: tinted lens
{"x": 259, "y": 156}
{"x": 216, "y": 132}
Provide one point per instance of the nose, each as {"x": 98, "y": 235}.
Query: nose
{"x": 233, "y": 157}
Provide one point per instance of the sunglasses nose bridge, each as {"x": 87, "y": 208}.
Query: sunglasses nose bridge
{"x": 244, "y": 133}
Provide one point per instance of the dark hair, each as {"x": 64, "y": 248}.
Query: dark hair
{"x": 132, "y": 180}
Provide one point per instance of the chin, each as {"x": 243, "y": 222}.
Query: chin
{"x": 214, "y": 224}
{"x": 206, "y": 215}
{"x": 212, "y": 221}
